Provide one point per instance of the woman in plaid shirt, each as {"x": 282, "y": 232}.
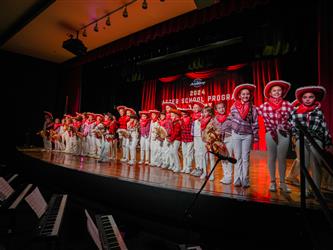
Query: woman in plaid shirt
{"x": 276, "y": 113}
{"x": 244, "y": 125}
{"x": 310, "y": 115}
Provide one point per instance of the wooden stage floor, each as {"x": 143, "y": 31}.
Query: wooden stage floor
{"x": 154, "y": 176}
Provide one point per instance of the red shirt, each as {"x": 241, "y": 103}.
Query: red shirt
{"x": 186, "y": 126}
{"x": 175, "y": 131}
{"x": 113, "y": 127}
{"x": 123, "y": 121}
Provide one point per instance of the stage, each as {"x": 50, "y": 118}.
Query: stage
{"x": 166, "y": 179}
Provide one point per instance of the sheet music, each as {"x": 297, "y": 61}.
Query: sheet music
{"x": 5, "y": 189}
{"x": 37, "y": 202}
{"x": 92, "y": 229}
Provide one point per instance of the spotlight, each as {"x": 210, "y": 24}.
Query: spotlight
{"x": 108, "y": 22}
{"x": 162, "y": 0}
{"x": 84, "y": 33}
{"x": 125, "y": 13}
{"x": 144, "y": 5}
{"x": 96, "y": 28}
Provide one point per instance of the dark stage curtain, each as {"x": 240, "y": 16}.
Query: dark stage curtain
{"x": 71, "y": 89}
{"x": 263, "y": 72}
{"x": 325, "y": 57}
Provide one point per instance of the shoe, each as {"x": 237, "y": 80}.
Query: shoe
{"x": 225, "y": 181}
{"x": 197, "y": 172}
{"x": 238, "y": 183}
{"x": 140, "y": 162}
{"x": 187, "y": 171}
{"x": 211, "y": 178}
{"x": 284, "y": 188}
{"x": 202, "y": 176}
{"x": 123, "y": 160}
{"x": 164, "y": 166}
{"x": 246, "y": 184}
{"x": 293, "y": 181}
{"x": 176, "y": 170}
{"x": 147, "y": 162}
{"x": 182, "y": 171}
{"x": 272, "y": 186}
{"x": 130, "y": 163}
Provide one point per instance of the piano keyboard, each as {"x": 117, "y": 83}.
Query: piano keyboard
{"x": 109, "y": 233}
{"x": 51, "y": 221}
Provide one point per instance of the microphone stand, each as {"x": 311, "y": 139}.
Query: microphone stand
{"x": 188, "y": 210}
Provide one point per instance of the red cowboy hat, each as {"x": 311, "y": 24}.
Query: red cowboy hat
{"x": 239, "y": 88}
{"x": 130, "y": 109}
{"x": 154, "y": 111}
{"x": 171, "y": 104}
{"x": 99, "y": 115}
{"x": 318, "y": 91}
{"x": 201, "y": 104}
{"x": 49, "y": 114}
{"x": 185, "y": 110}
{"x": 121, "y": 107}
{"x": 143, "y": 112}
{"x": 285, "y": 86}
{"x": 175, "y": 111}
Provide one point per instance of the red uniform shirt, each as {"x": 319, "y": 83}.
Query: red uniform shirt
{"x": 123, "y": 121}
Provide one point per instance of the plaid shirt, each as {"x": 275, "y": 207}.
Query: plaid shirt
{"x": 316, "y": 124}
{"x": 247, "y": 126}
{"x": 186, "y": 135}
{"x": 278, "y": 119}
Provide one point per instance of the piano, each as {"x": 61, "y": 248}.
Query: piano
{"x": 109, "y": 233}
{"x": 50, "y": 222}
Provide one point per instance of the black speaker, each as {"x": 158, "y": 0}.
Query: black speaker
{"x": 205, "y": 3}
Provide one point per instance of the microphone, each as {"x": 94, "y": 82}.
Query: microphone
{"x": 224, "y": 158}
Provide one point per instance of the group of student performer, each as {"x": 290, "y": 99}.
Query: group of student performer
{"x": 200, "y": 129}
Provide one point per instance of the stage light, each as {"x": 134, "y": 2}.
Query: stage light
{"x": 144, "y": 5}
{"x": 125, "y": 13}
{"x": 108, "y": 22}
{"x": 162, "y": 0}
{"x": 96, "y": 28}
{"x": 84, "y": 33}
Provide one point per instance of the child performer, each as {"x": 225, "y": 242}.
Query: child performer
{"x": 56, "y": 135}
{"x": 167, "y": 106}
{"x": 112, "y": 137}
{"x": 144, "y": 137}
{"x": 187, "y": 139}
{"x": 199, "y": 145}
{"x": 48, "y": 125}
{"x": 276, "y": 113}
{"x": 88, "y": 133}
{"x": 77, "y": 135}
{"x": 174, "y": 139}
{"x": 133, "y": 130}
{"x": 154, "y": 142}
{"x": 310, "y": 115}
{"x": 98, "y": 135}
{"x": 244, "y": 124}
{"x": 221, "y": 118}
{"x": 62, "y": 135}
{"x": 211, "y": 136}
{"x": 165, "y": 145}
{"x": 122, "y": 121}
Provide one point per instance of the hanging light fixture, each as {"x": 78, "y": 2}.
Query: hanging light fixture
{"x": 144, "y": 5}
{"x": 125, "y": 13}
{"x": 96, "y": 27}
{"x": 108, "y": 22}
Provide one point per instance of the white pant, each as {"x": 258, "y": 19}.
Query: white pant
{"x": 105, "y": 150}
{"x": 242, "y": 148}
{"x": 174, "y": 154}
{"x": 187, "y": 150}
{"x": 199, "y": 151}
{"x": 113, "y": 149}
{"x": 125, "y": 147}
{"x": 277, "y": 151}
{"x": 98, "y": 144}
{"x": 91, "y": 145}
{"x": 155, "y": 159}
{"x": 84, "y": 147}
{"x": 165, "y": 153}
{"x": 144, "y": 149}
{"x": 132, "y": 143}
{"x": 227, "y": 166}
{"x": 312, "y": 161}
